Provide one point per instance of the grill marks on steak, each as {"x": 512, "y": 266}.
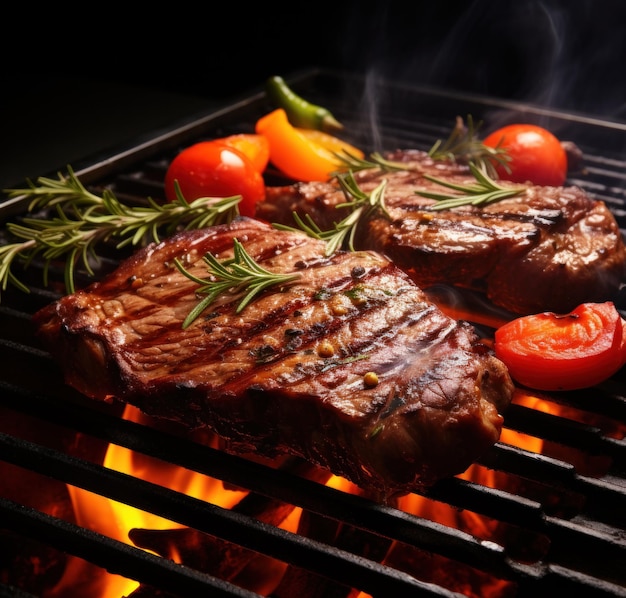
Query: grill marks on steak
{"x": 548, "y": 249}
{"x": 265, "y": 378}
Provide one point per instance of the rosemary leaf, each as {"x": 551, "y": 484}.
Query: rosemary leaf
{"x": 361, "y": 206}
{"x": 80, "y": 221}
{"x": 464, "y": 146}
{"x": 8, "y": 253}
{"x": 485, "y": 191}
{"x": 239, "y": 275}
{"x": 355, "y": 164}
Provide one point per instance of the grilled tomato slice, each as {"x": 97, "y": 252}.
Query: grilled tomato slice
{"x": 549, "y": 351}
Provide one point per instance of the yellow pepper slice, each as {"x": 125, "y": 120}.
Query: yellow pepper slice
{"x": 302, "y": 154}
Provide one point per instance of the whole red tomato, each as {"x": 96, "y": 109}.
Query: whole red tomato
{"x": 536, "y": 155}
{"x": 214, "y": 169}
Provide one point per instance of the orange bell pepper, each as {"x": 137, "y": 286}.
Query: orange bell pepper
{"x": 303, "y": 155}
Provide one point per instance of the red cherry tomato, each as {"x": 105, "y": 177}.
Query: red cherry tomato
{"x": 549, "y": 351}
{"x": 536, "y": 155}
{"x": 214, "y": 169}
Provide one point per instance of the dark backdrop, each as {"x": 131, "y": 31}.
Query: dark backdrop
{"x": 78, "y": 81}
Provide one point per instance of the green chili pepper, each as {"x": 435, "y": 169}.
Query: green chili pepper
{"x": 300, "y": 112}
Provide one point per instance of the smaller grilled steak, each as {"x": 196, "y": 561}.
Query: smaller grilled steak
{"x": 548, "y": 249}
{"x": 349, "y": 367}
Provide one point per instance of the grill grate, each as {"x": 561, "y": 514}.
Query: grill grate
{"x": 559, "y": 514}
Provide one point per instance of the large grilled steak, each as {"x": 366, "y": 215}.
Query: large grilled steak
{"x": 548, "y": 249}
{"x": 349, "y": 367}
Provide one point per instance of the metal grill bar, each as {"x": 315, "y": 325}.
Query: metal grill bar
{"x": 567, "y": 432}
{"x": 317, "y": 498}
{"x": 308, "y": 554}
{"x": 114, "y": 556}
{"x": 357, "y": 511}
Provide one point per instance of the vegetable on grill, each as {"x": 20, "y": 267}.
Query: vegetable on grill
{"x": 553, "y": 352}
{"x": 215, "y": 169}
{"x": 301, "y": 154}
{"x": 535, "y": 155}
{"x": 301, "y": 113}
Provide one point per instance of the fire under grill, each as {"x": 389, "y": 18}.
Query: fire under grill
{"x": 543, "y": 511}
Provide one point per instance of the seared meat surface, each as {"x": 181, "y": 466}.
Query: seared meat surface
{"x": 350, "y": 366}
{"x": 547, "y": 249}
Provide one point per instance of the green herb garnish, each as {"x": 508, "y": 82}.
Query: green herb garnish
{"x": 464, "y": 146}
{"x": 81, "y": 220}
{"x": 361, "y": 205}
{"x": 376, "y": 160}
{"x": 238, "y": 275}
{"x": 483, "y": 192}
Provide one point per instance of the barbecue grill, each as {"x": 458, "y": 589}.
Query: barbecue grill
{"x": 543, "y": 511}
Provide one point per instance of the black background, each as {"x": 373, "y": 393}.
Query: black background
{"x": 77, "y": 81}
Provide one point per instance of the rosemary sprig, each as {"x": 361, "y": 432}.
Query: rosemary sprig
{"x": 79, "y": 221}
{"x": 481, "y": 193}
{"x": 464, "y": 146}
{"x": 361, "y": 205}
{"x": 239, "y": 274}
{"x": 376, "y": 160}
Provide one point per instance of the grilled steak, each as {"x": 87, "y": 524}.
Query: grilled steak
{"x": 350, "y": 366}
{"x": 548, "y": 249}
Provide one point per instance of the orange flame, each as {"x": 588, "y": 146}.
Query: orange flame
{"x": 116, "y": 520}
